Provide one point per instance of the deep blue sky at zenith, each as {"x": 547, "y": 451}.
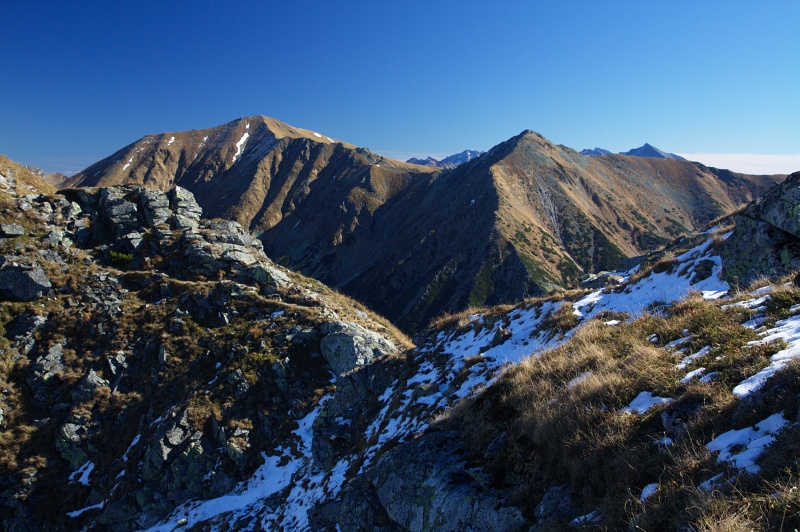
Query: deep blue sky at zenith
{"x": 83, "y": 79}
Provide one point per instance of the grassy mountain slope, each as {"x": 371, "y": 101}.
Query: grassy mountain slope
{"x": 412, "y": 242}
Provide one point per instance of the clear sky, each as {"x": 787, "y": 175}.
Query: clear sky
{"x": 405, "y": 78}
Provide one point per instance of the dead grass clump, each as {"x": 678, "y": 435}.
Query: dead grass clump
{"x": 459, "y": 319}
{"x": 562, "y": 319}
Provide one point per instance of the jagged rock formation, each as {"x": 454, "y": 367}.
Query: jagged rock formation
{"x": 766, "y": 241}
{"x": 520, "y": 220}
{"x": 595, "y": 152}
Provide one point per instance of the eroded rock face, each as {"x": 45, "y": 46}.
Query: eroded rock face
{"x": 420, "y": 485}
{"x": 766, "y": 240}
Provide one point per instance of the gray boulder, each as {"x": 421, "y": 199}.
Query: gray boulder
{"x": 766, "y": 241}
{"x": 155, "y": 205}
{"x": 780, "y": 206}
{"x": 183, "y": 203}
{"x": 21, "y": 283}
{"x": 68, "y": 444}
{"x": 11, "y": 230}
{"x": 86, "y": 387}
{"x": 347, "y": 345}
{"x": 419, "y": 485}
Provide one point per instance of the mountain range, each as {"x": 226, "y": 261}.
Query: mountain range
{"x": 448, "y": 162}
{"x": 643, "y": 151}
{"x": 522, "y": 219}
{"x": 158, "y": 371}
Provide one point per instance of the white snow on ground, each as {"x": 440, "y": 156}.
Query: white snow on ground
{"x": 205, "y": 138}
{"x": 82, "y": 474}
{"x": 580, "y": 378}
{"x": 317, "y": 135}
{"x": 171, "y": 141}
{"x": 787, "y": 330}
{"x": 587, "y": 519}
{"x": 664, "y": 286}
{"x": 128, "y": 163}
{"x": 709, "y": 484}
{"x": 648, "y": 490}
{"x": 98, "y": 506}
{"x": 644, "y": 402}
{"x": 290, "y": 469}
{"x": 754, "y": 440}
{"x": 691, "y": 358}
{"x": 239, "y": 146}
{"x": 131, "y": 446}
{"x": 693, "y": 375}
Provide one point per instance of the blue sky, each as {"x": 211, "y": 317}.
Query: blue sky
{"x": 83, "y": 79}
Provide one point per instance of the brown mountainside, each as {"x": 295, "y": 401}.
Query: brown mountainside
{"x": 412, "y": 242}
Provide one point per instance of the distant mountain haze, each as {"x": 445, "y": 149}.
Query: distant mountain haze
{"x": 643, "y": 151}
{"x": 413, "y": 241}
{"x": 448, "y": 162}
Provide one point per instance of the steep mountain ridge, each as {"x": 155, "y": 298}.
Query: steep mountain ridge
{"x": 411, "y": 241}
{"x": 158, "y": 371}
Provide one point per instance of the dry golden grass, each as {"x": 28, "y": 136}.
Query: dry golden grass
{"x": 561, "y": 415}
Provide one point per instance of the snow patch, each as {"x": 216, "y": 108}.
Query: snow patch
{"x": 82, "y": 474}
{"x": 787, "y": 330}
{"x": 98, "y": 506}
{"x": 239, "y": 146}
{"x": 171, "y": 141}
{"x": 754, "y": 439}
{"x": 648, "y": 491}
{"x": 644, "y": 402}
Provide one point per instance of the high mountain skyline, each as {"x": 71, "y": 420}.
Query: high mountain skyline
{"x": 415, "y": 80}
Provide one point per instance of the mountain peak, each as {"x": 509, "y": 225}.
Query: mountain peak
{"x": 648, "y": 150}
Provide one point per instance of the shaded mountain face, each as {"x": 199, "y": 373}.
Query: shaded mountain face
{"x": 412, "y": 242}
{"x": 448, "y": 162}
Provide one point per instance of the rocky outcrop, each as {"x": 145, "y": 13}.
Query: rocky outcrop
{"x": 348, "y": 345}
{"x": 22, "y": 281}
{"x": 420, "y": 485}
{"x": 766, "y": 241}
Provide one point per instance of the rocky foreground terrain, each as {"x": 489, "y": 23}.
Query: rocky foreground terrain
{"x": 158, "y": 371}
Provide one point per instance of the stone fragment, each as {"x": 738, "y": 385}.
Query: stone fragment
{"x": 11, "y": 230}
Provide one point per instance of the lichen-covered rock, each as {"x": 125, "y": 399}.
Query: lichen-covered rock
{"x": 766, "y": 241}
{"x": 347, "y": 345}
{"x": 780, "y": 206}
{"x": 68, "y": 444}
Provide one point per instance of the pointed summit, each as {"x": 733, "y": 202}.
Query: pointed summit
{"x": 651, "y": 151}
